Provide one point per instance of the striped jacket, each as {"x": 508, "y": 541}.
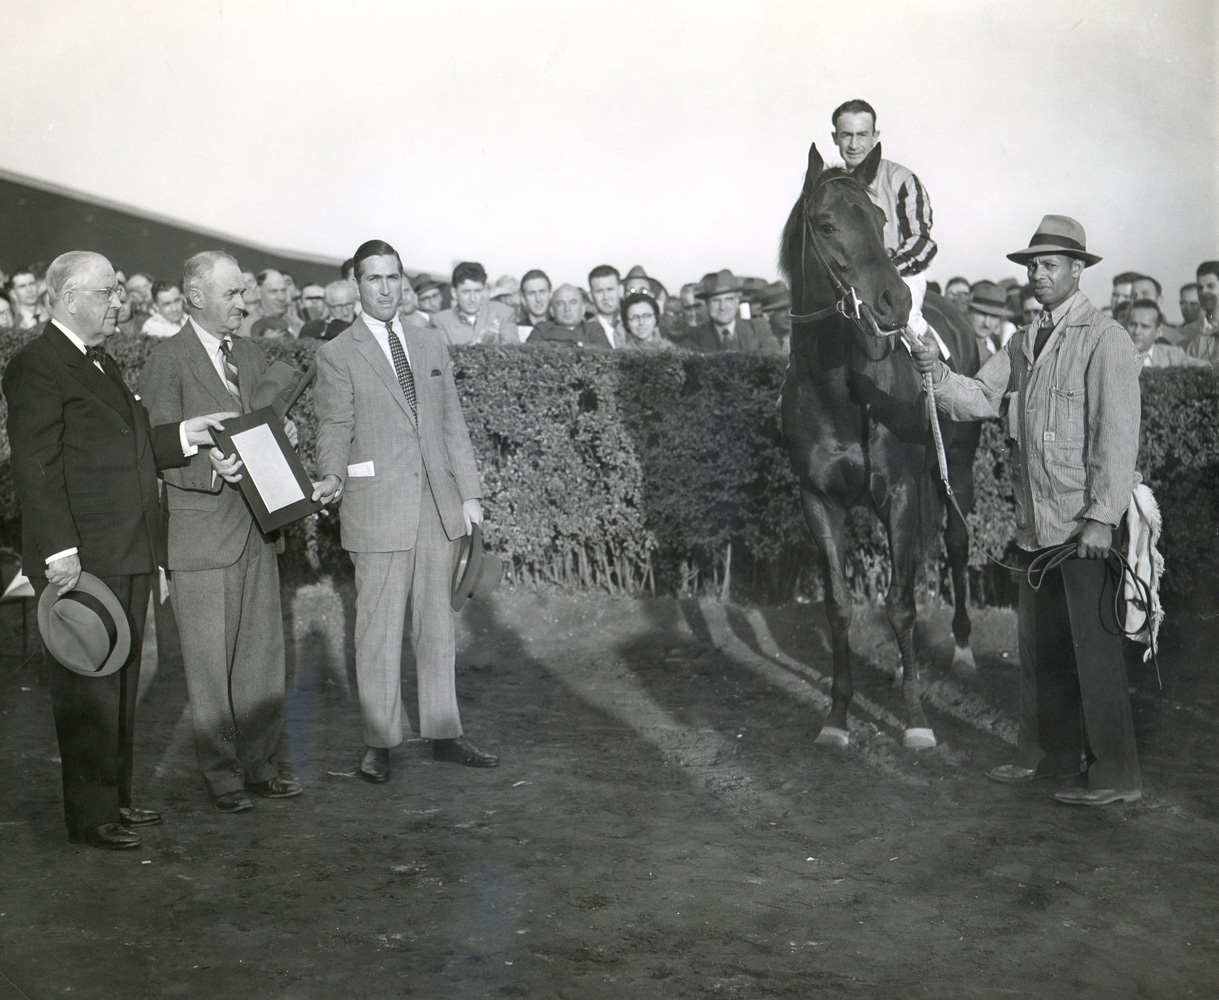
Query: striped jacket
{"x": 907, "y": 217}
{"x": 1071, "y": 418}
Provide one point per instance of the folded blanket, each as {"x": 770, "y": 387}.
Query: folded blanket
{"x": 1143, "y": 525}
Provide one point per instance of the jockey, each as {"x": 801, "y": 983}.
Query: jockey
{"x": 900, "y": 195}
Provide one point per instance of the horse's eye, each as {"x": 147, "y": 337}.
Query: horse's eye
{"x": 826, "y": 228}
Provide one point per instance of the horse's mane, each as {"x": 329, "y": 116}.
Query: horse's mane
{"x": 792, "y": 241}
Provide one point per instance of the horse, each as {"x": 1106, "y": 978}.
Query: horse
{"x": 856, "y": 424}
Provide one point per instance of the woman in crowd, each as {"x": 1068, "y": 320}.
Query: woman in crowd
{"x": 641, "y": 316}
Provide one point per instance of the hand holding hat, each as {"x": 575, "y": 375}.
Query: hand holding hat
{"x": 85, "y": 627}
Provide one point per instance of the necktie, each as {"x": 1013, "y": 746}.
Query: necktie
{"x": 99, "y": 357}
{"x": 406, "y": 378}
{"x": 1045, "y": 326}
{"x": 232, "y": 380}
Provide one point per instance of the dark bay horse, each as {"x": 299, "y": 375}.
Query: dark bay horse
{"x": 856, "y": 424}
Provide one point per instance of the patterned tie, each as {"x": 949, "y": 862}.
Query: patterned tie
{"x": 406, "y": 378}
{"x": 232, "y": 380}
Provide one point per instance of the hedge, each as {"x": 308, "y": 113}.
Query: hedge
{"x": 665, "y": 473}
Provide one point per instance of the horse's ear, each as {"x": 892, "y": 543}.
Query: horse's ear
{"x": 815, "y": 166}
{"x": 865, "y": 173}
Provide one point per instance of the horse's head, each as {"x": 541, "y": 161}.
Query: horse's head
{"x": 834, "y": 254}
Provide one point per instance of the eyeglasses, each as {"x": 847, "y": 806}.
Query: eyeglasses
{"x": 113, "y": 292}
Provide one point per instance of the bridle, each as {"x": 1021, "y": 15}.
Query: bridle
{"x": 848, "y": 304}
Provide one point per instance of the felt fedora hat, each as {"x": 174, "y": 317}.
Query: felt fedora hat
{"x": 86, "y": 629}
{"x": 476, "y": 572}
{"x": 1057, "y": 234}
{"x": 718, "y": 283}
{"x": 776, "y": 296}
{"x": 987, "y": 297}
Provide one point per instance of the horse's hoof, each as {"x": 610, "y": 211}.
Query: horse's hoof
{"x": 918, "y": 738}
{"x": 832, "y": 736}
{"x": 963, "y": 664}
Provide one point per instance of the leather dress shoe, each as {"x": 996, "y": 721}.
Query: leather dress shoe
{"x": 108, "y": 837}
{"x": 1097, "y": 796}
{"x": 233, "y": 802}
{"x": 374, "y": 765}
{"x": 462, "y": 751}
{"x": 131, "y": 816}
{"x": 1011, "y": 774}
{"x": 276, "y": 788}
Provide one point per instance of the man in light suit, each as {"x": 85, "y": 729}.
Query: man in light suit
{"x": 84, "y": 461}
{"x": 224, "y": 575}
{"x": 475, "y": 318}
{"x": 392, "y": 442}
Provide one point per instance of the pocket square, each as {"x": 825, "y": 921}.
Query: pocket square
{"x": 435, "y": 372}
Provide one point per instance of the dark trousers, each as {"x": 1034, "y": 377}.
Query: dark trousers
{"x": 1074, "y": 694}
{"x": 95, "y": 720}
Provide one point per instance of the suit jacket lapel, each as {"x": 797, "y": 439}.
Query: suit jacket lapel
{"x": 200, "y": 365}
{"x": 87, "y": 374}
{"x": 371, "y": 350}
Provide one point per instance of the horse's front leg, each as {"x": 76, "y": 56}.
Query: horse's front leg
{"x": 904, "y": 525}
{"x": 956, "y": 544}
{"x": 827, "y": 522}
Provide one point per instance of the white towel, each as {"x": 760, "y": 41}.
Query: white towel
{"x": 1143, "y": 524}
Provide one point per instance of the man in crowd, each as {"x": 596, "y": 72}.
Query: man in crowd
{"x": 957, "y": 292}
{"x": 139, "y": 287}
{"x": 409, "y": 312}
{"x": 7, "y": 323}
{"x": 1188, "y": 301}
{"x": 28, "y": 312}
{"x": 569, "y": 325}
{"x": 431, "y": 298}
{"x": 776, "y": 303}
{"x": 1030, "y": 308}
{"x": 1199, "y": 338}
{"x": 392, "y": 440}
{"x": 986, "y": 312}
{"x": 535, "y": 293}
{"x": 167, "y": 310}
{"x": 224, "y": 577}
{"x": 1145, "y": 325}
{"x": 273, "y": 319}
{"x": 474, "y": 318}
{"x": 313, "y": 303}
{"x": 605, "y": 286}
{"x": 899, "y": 193}
{"x": 1073, "y": 471}
{"x": 1123, "y": 289}
{"x": 84, "y": 462}
{"x": 726, "y": 330}
{"x": 340, "y": 312}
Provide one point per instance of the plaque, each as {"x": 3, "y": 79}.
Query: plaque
{"x": 273, "y": 481}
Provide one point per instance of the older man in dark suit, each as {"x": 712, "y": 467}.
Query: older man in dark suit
{"x": 225, "y": 578}
{"x": 85, "y": 462}
{"x": 725, "y": 329}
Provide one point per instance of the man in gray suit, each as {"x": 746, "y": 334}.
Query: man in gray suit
{"x": 392, "y": 442}
{"x": 224, "y": 574}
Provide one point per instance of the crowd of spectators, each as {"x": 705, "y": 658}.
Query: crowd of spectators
{"x": 997, "y": 309}
{"x": 610, "y": 311}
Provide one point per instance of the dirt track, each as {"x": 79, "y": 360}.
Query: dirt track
{"x": 661, "y": 826}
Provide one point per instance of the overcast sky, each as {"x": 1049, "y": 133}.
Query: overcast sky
{"x": 666, "y": 133}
